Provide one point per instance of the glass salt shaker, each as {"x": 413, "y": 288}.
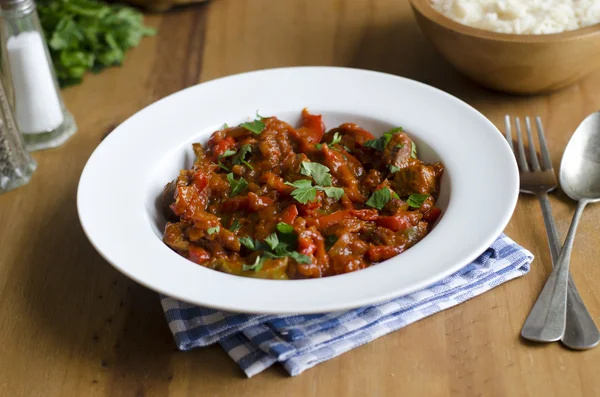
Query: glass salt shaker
{"x": 16, "y": 165}
{"x": 40, "y": 113}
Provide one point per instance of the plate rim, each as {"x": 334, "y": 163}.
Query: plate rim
{"x": 323, "y": 307}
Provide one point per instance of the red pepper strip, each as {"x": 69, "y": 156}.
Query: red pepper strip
{"x": 256, "y": 202}
{"x": 305, "y": 244}
{"x": 394, "y": 222}
{"x": 197, "y": 254}
{"x": 313, "y": 128}
{"x": 432, "y": 215}
{"x": 221, "y": 146}
{"x": 289, "y": 214}
{"x": 378, "y": 253}
{"x": 334, "y": 218}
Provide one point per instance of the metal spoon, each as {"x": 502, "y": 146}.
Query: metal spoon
{"x": 580, "y": 180}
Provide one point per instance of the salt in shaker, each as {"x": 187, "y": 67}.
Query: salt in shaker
{"x": 16, "y": 165}
{"x": 40, "y": 113}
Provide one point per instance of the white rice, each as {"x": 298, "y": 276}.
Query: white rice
{"x": 522, "y": 16}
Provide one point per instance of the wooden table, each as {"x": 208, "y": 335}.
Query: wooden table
{"x": 71, "y": 325}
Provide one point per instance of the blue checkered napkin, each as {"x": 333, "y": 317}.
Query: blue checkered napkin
{"x": 299, "y": 342}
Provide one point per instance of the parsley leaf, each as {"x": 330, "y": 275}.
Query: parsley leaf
{"x": 332, "y": 192}
{"x": 393, "y": 168}
{"x": 213, "y": 230}
{"x": 337, "y": 138}
{"x": 235, "y": 225}
{"x": 347, "y": 149}
{"x": 318, "y": 172}
{"x": 272, "y": 240}
{"x": 225, "y": 125}
{"x": 379, "y": 198}
{"x": 319, "y": 146}
{"x": 285, "y": 228}
{"x": 227, "y": 153}
{"x": 304, "y": 191}
{"x": 236, "y": 186}
{"x": 257, "y": 266}
{"x": 256, "y": 126}
{"x": 413, "y": 152}
{"x": 239, "y": 158}
{"x": 329, "y": 241}
{"x": 248, "y": 242}
{"x": 300, "y": 258}
{"x": 417, "y": 200}
{"x": 381, "y": 142}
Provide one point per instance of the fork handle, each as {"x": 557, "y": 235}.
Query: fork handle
{"x": 580, "y": 333}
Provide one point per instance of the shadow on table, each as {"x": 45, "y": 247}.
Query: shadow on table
{"x": 80, "y": 307}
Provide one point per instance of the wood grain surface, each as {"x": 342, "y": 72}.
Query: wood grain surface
{"x": 71, "y": 325}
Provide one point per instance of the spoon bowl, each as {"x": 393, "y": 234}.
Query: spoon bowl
{"x": 580, "y": 165}
{"x": 580, "y": 180}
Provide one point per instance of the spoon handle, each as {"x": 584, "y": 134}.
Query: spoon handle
{"x": 547, "y": 320}
{"x": 580, "y": 332}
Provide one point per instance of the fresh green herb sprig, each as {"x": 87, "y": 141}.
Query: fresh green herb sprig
{"x": 381, "y": 142}
{"x": 416, "y": 200}
{"x": 273, "y": 248}
{"x": 87, "y": 35}
{"x": 381, "y": 197}
{"x": 236, "y": 186}
{"x": 306, "y": 192}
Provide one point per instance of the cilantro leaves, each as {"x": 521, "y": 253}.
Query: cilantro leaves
{"x": 379, "y": 198}
{"x": 318, "y": 172}
{"x": 272, "y": 248}
{"x": 227, "y": 153}
{"x": 337, "y": 138}
{"x": 213, "y": 230}
{"x": 381, "y": 142}
{"x": 393, "y": 168}
{"x": 413, "y": 152}
{"x": 235, "y": 225}
{"x": 257, "y": 126}
{"x": 304, "y": 191}
{"x": 240, "y": 157}
{"x": 236, "y": 186}
{"x": 417, "y": 200}
{"x": 285, "y": 228}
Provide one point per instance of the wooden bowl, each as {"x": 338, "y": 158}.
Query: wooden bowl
{"x": 519, "y": 64}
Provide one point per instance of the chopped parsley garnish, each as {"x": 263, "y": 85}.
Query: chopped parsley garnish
{"x": 257, "y": 126}
{"x": 258, "y": 264}
{"x": 285, "y": 228}
{"x": 240, "y": 157}
{"x": 225, "y": 125}
{"x": 272, "y": 249}
{"x": 337, "y": 138}
{"x": 227, "y": 153}
{"x": 318, "y": 172}
{"x": 272, "y": 240}
{"x": 381, "y": 142}
{"x": 236, "y": 186}
{"x": 329, "y": 241}
{"x": 417, "y": 200}
{"x": 319, "y": 146}
{"x": 306, "y": 192}
{"x": 393, "y": 168}
{"x": 213, "y": 230}
{"x": 379, "y": 198}
{"x": 248, "y": 242}
{"x": 413, "y": 152}
{"x": 235, "y": 225}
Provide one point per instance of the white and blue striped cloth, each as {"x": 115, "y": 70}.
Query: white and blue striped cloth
{"x": 298, "y": 342}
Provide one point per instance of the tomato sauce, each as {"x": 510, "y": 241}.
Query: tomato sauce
{"x": 267, "y": 200}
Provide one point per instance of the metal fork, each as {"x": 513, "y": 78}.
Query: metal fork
{"x": 580, "y": 332}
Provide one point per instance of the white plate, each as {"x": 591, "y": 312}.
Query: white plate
{"x": 118, "y": 190}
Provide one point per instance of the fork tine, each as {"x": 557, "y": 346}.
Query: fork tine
{"x": 521, "y": 158}
{"x": 532, "y": 152}
{"x": 546, "y": 162}
{"x": 508, "y": 132}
